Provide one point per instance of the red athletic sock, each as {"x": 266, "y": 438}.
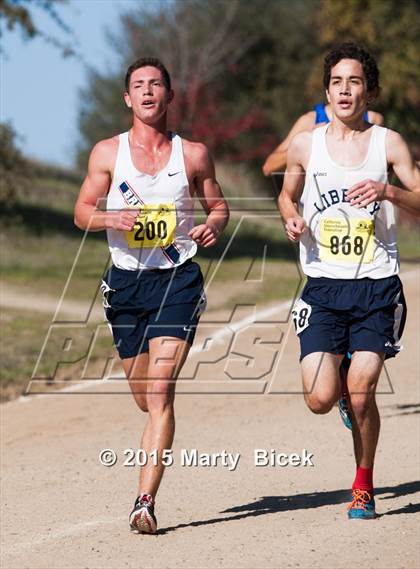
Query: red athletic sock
{"x": 364, "y": 479}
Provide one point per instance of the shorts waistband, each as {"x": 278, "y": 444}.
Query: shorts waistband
{"x": 329, "y": 281}
{"x": 151, "y": 271}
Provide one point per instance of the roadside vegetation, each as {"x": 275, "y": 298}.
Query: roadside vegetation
{"x": 242, "y": 73}
{"x": 39, "y": 245}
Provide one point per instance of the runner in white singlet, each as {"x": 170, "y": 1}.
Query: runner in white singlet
{"x": 337, "y": 202}
{"x": 168, "y": 188}
{"x": 321, "y": 114}
{"x": 153, "y": 292}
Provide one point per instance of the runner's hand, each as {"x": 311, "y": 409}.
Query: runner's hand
{"x": 295, "y": 227}
{"x": 123, "y": 220}
{"x": 204, "y": 235}
{"x": 365, "y": 193}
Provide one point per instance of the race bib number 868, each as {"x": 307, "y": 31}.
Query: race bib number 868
{"x": 347, "y": 240}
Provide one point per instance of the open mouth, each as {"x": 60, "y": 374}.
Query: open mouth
{"x": 148, "y": 104}
{"x": 344, "y": 104}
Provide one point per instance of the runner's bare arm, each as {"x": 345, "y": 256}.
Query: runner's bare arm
{"x": 399, "y": 157}
{"x": 95, "y": 186}
{"x": 375, "y": 118}
{"x": 276, "y": 161}
{"x": 203, "y": 175}
{"x": 294, "y": 179}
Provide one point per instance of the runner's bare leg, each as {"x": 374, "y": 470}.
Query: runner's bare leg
{"x": 166, "y": 358}
{"x": 362, "y": 380}
{"x": 136, "y": 372}
{"x": 321, "y": 380}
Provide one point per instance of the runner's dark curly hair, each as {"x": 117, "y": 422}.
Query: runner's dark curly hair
{"x": 350, "y": 50}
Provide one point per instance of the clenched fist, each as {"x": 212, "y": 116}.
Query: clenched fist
{"x": 123, "y": 220}
{"x": 295, "y": 227}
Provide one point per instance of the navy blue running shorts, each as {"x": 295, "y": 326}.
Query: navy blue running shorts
{"x": 144, "y": 304}
{"x": 348, "y": 315}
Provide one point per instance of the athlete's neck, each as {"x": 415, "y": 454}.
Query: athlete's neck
{"x": 347, "y": 130}
{"x": 328, "y": 111}
{"x": 151, "y": 136}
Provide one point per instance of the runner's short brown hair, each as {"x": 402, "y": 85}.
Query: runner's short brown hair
{"x": 148, "y": 62}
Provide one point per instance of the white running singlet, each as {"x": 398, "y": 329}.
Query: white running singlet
{"x": 160, "y": 237}
{"x": 343, "y": 242}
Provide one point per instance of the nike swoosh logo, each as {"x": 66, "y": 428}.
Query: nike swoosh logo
{"x": 174, "y": 173}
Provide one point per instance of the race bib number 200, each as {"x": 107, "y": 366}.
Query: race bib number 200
{"x": 347, "y": 240}
{"x": 155, "y": 226}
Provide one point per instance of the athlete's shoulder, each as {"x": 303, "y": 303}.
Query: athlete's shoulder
{"x": 104, "y": 153}
{"x": 195, "y": 150}
{"x": 301, "y": 142}
{"x": 395, "y": 145}
{"x": 106, "y": 146}
{"x": 392, "y": 138}
{"x": 391, "y": 135}
{"x": 299, "y": 150}
{"x": 197, "y": 157}
{"x": 198, "y": 160}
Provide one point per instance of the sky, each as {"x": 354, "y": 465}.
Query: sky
{"x": 40, "y": 89}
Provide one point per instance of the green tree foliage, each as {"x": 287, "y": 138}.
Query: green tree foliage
{"x": 237, "y": 71}
{"x": 244, "y": 71}
{"x": 391, "y": 30}
{"x": 19, "y": 14}
{"x": 15, "y": 171}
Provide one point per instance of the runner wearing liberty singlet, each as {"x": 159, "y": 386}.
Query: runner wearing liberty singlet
{"x": 353, "y": 300}
{"x": 322, "y": 117}
{"x": 276, "y": 161}
{"x": 153, "y": 293}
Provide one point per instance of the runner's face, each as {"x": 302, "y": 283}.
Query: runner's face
{"x": 347, "y": 91}
{"x": 148, "y": 96}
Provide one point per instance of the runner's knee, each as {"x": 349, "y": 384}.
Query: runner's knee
{"x": 319, "y": 403}
{"x": 142, "y": 403}
{"x": 160, "y": 397}
{"x": 361, "y": 403}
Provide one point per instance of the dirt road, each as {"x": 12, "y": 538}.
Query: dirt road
{"x": 63, "y": 509}
{"x": 22, "y": 298}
